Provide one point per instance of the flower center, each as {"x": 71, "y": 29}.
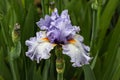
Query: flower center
{"x": 58, "y": 37}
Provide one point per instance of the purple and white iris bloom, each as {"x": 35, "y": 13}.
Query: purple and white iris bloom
{"x": 58, "y": 30}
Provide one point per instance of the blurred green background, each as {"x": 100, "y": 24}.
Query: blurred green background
{"x": 99, "y": 21}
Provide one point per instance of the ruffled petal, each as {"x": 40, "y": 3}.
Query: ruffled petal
{"x": 65, "y": 16}
{"x": 44, "y": 24}
{"x": 39, "y": 47}
{"x": 78, "y": 52}
{"x": 55, "y": 14}
{"x": 58, "y": 27}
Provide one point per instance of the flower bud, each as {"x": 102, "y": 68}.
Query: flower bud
{"x": 60, "y": 65}
{"x": 51, "y": 6}
{"x": 94, "y": 5}
{"x": 16, "y": 33}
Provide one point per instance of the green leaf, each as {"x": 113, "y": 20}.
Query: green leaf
{"x": 89, "y": 74}
{"x": 3, "y": 9}
{"x": 4, "y": 69}
{"x": 37, "y": 74}
{"x": 18, "y": 8}
{"x": 27, "y": 30}
{"x": 111, "y": 63}
{"x": 105, "y": 19}
{"x": 46, "y": 70}
{"x": 116, "y": 73}
{"x": 7, "y": 25}
{"x": 28, "y": 4}
{"x": 52, "y": 67}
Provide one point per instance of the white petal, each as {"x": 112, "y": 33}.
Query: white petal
{"x": 78, "y": 52}
{"x": 38, "y": 48}
{"x": 64, "y": 14}
{"x": 78, "y": 38}
{"x": 40, "y": 35}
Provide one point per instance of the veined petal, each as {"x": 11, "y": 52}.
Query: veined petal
{"x": 44, "y": 24}
{"x": 78, "y": 52}
{"x": 58, "y": 27}
{"x": 55, "y": 14}
{"x": 39, "y": 47}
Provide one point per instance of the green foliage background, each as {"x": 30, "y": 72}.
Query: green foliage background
{"x": 99, "y": 21}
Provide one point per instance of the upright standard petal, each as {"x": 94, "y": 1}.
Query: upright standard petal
{"x": 44, "y": 24}
{"x": 39, "y": 47}
{"x": 55, "y": 14}
{"x": 78, "y": 52}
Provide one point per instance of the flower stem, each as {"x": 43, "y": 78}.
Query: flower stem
{"x": 13, "y": 70}
{"x": 60, "y": 63}
{"x": 60, "y": 66}
{"x": 60, "y": 76}
{"x": 94, "y": 7}
{"x": 93, "y": 27}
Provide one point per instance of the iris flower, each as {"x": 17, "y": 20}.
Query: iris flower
{"x": 58, "y": 30}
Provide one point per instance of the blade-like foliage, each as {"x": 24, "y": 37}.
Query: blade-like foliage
{"x": 99, "y": 21}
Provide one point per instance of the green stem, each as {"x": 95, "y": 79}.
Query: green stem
{"x": 94, "y": 21}
{"x": 93, "y": 27}
{"x": 60, "y": 66}
{"x": 60, "y": 76}
{"x": 13, "y": 70}
{"x": 60, "y": 63}
{"x": 95, "y": 33}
